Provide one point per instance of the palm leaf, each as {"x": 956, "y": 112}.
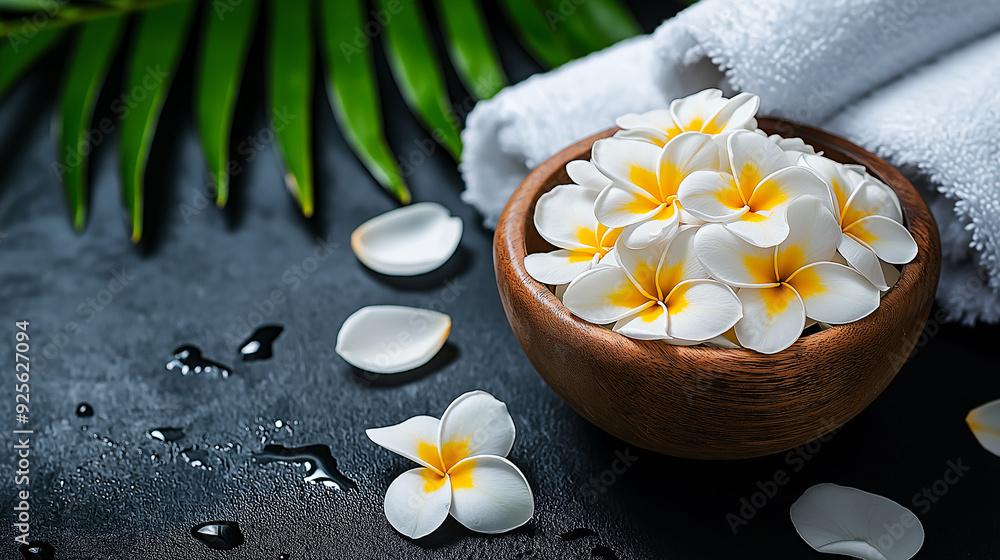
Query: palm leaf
{"x": 225, "y": 42}
{"x": 290, "y": 85}
{"x": 470, "y": 47}
{"x": 612, "y": 20}
{"x": 17, "y": 53}
{"x": 411, "y": 57}
{"x": 354, "y": 93}
{"x": 575, "y": 22}
{"x": 88, "y": 67}
{"x": 536, "y": 33}
{"x": 158, "y": 41}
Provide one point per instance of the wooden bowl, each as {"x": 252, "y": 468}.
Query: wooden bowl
{"x": 710, "y": 403}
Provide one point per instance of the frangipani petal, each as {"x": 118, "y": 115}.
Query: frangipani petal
{"x": 701, "y": 309}
{"x": 653, "y": 136}
{"x": 683, "y": 155}
{"x": 628, "y": 162}
{"x": 559, "y": 266}
{"x": 725, "y": 340}
{"x": 736, "y": 114}
{"x": 584, "y": 173}
{"x": 621, "y": 205}
{"x": 733, "y": 260}
{"x": 984, "y": 421}
{"x": 840, "y": 520}
{"x": 694, "y": 111}
{"x": 650, "y": 232}
{"x": 475, "y": 423}
{"x": 711, "y": 196}
{"x": 864, "y": 260}
{"x": 833, "y": 293}
{"x": 490, "y": 495}
{"x": 752, "y": 158}
{"x": 794, "y": 148}
{"x": 680, "y": 262}
{"x": 418, "y": 502}
{"x": 889, "y": 239}
{"x": 407, "y": 241}
{"x": 871, "y": 199}
{"x": 604, "y": 295}
{"x": 842, "y": 182}
{"x": 813, "y": 237}
{"x": 648, "y": 324}
{"x": 565, "y": 217}
{"x": 785, "y": 185}
{"x": 761, "y": 229}
{"x": 416, "y": 439}
{"x": 773, "y": 318}
{"x": 392, "y": 338}
{"x": 659, "y": 119}
{"x": 640, "y": 265}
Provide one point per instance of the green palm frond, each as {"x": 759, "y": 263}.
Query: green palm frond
{"x": 553, "y": 31}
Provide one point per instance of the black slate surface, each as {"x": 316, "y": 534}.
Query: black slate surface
{"x": 102, "y": 488}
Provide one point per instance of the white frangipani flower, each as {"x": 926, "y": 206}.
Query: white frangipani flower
{"x": 751, "y": 201}
{"x": 464, "y": 472}
{"x": 565, "y": 218}
{"x": 660, "y": 292}
{"x": 869, "y": 216}
{"x": 706, "y": 111}
{"x": 984, "y": 421}
{"x": 781, "y": 286}
{"x": 643, "y": 196}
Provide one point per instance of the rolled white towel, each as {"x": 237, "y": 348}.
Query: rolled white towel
{"x": 807, "y": 59}
{"x": 508, "y": 136}
{"x": 939, "y": 126}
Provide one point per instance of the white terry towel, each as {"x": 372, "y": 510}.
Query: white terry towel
{"x": 815, "y": 66}
{"x": 941, "y": 126}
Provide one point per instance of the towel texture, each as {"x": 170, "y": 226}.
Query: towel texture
{"x": 915, "y": 81}
{"x": 941, "y": 126}
{"x": 807, "y": 59}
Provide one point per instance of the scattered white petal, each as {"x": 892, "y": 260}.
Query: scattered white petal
{"x": 840, "y": 520}
{"x": 392, "y": 338}
{"x": 985, "y": 424}
{"x": 408, "y": 241}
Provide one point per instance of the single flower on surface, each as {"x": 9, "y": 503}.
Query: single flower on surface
{"x": 750, "y": 198}
{"x": 463, "y": 473}
{"x": 660, "y": 292}
{"x": 642, "y": 198}
{"x": 565, "y": 218}
{"x": 870, "y": 218}
{"x": 706, "y": 111}
{"x": 781, "y": 286}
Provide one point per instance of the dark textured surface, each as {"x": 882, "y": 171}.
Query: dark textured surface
{"x": 102, "y": 488}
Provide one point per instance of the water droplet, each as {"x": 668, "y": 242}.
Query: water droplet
{"x": 37, "y": 550}
{"x": 166, "y": 434}
{"x": 577, "y": 534}
{"x": 197, "y": 458}
{"x": 260, "y": 344}
{"x": 603, "y": 552}
{"x": 220, "y": 535}
{"x": 321, "y": 467}
{"x": 84, "y": 410}
{"x": 278, "y": 424}
{"x": 189, "y": 361}
{"x": 284, "y": 557}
